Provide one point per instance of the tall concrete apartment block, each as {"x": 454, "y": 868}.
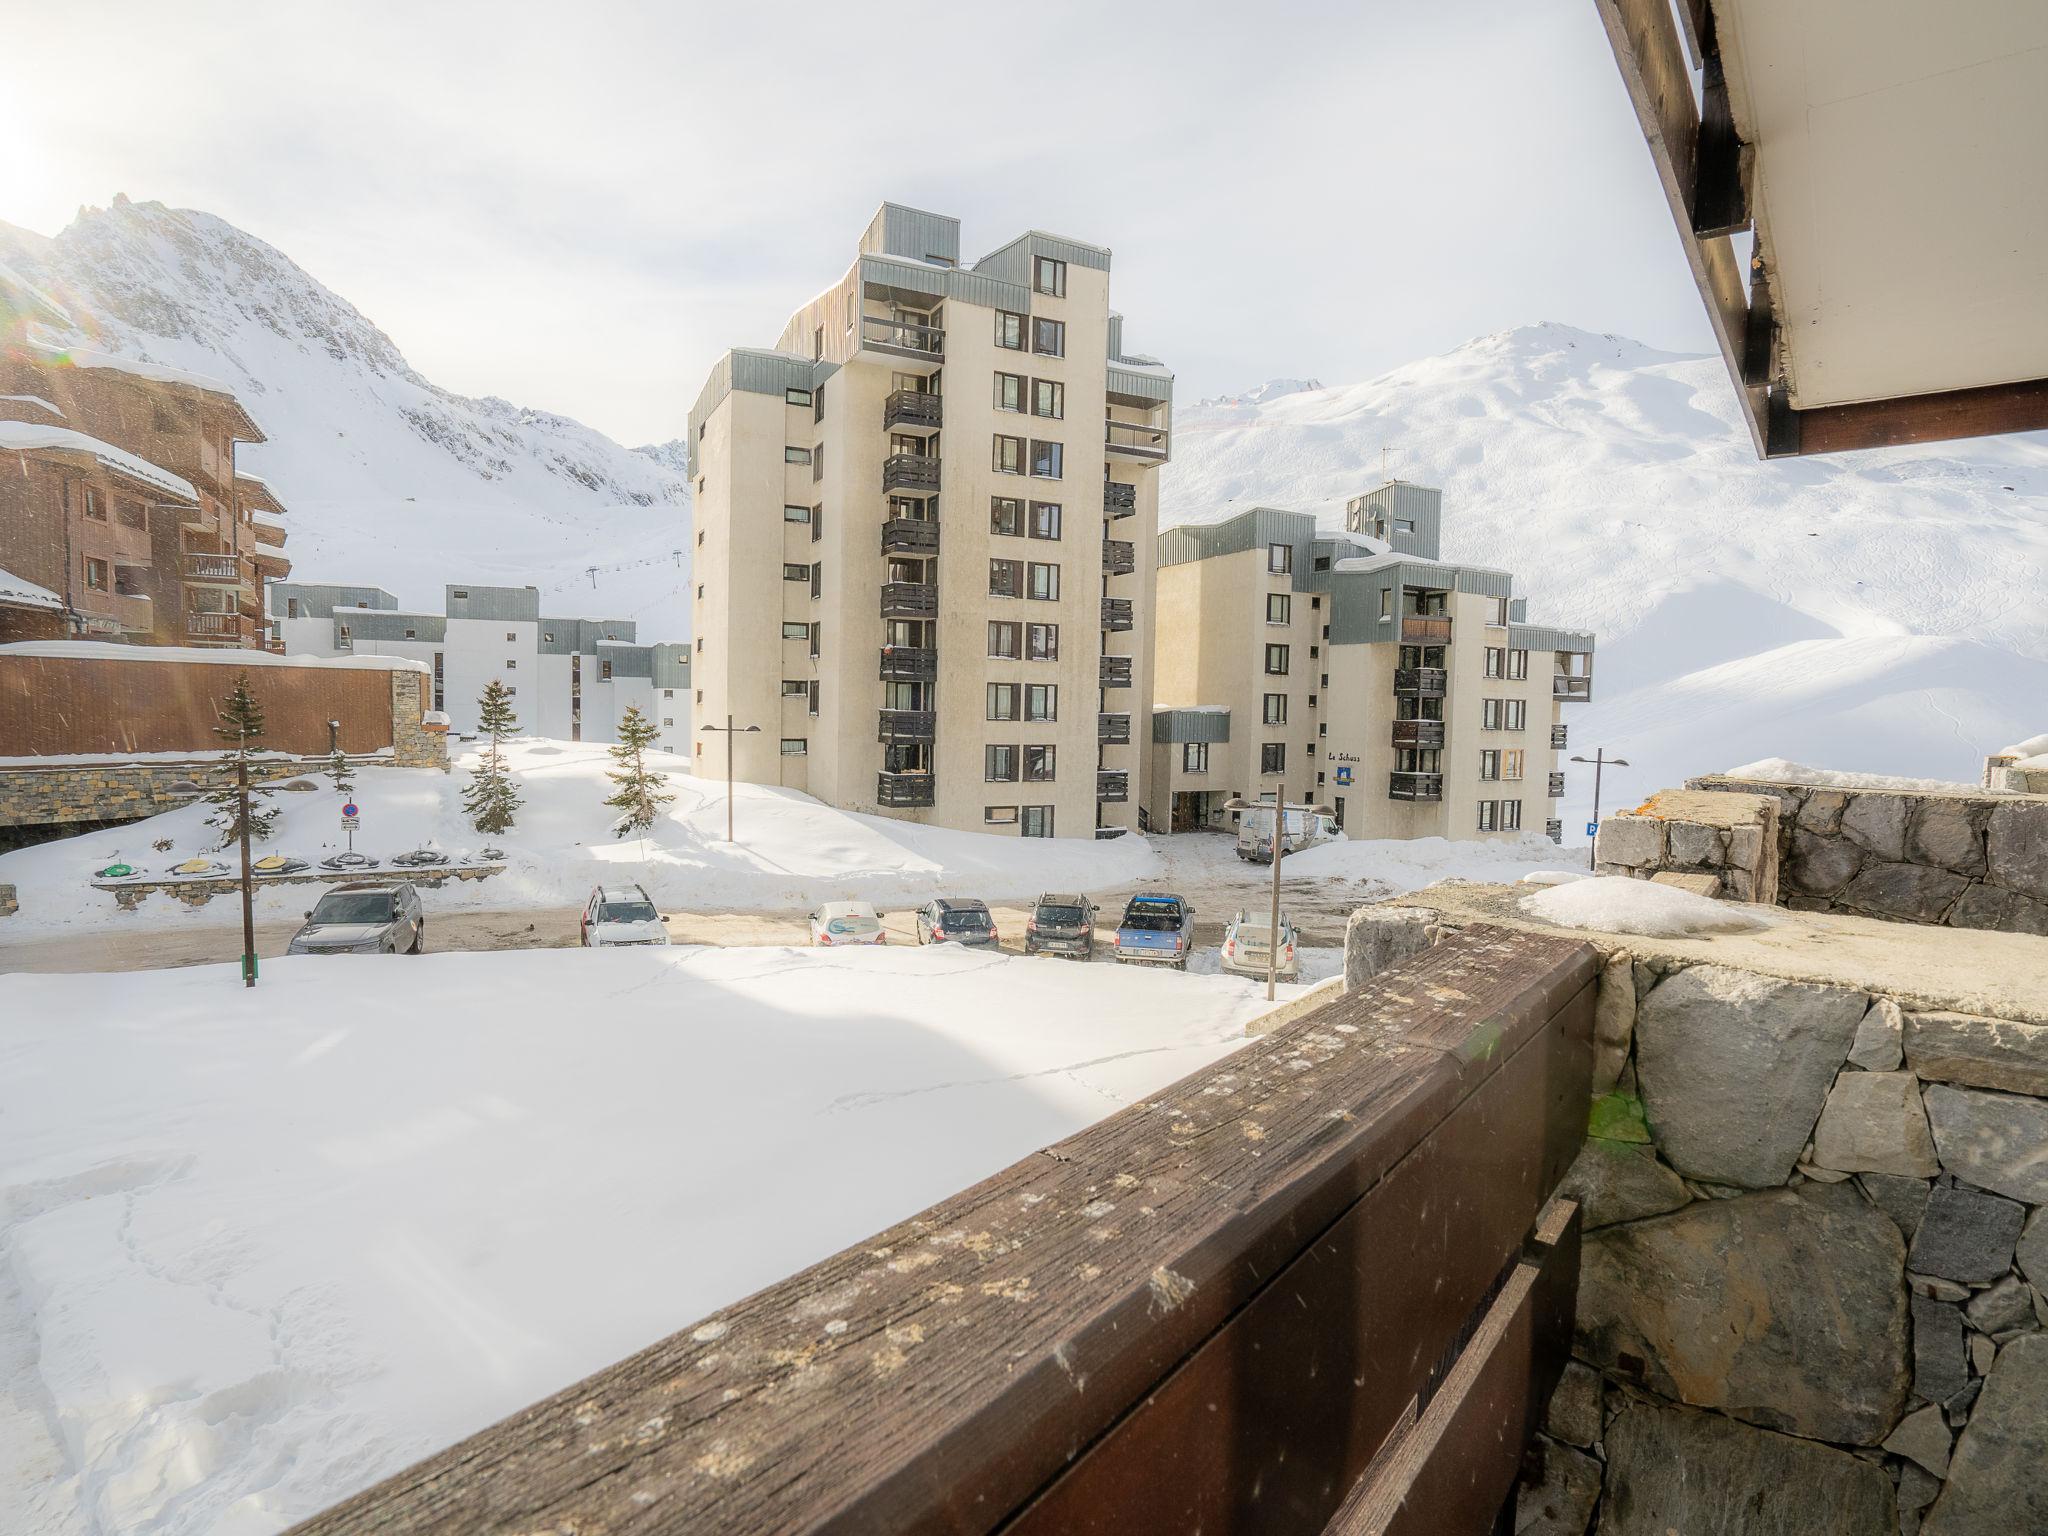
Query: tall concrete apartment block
{"x": 926, "y": 522}
{"x": 1356, "y": 669}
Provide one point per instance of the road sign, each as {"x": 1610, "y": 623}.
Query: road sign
{"x": 1592, "y": 829}
{"x": 1343, "y": 775}
{"x": 349, "y": 810}
{"x": 350, "y": 823}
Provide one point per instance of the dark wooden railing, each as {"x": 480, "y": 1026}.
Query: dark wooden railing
{"x": 910, "y": 472}
{"x": 910, "y": 536}
{"x": 911, "y": 410}
{"x": 1428, "y": 682}
{"x": 1115, "y": 672}
{"x": 906, "y": 725}
{"x": 909, "y": 663}
{"x": 1119, "y": 499}
{"x": 1425, "y": 630}
{"x": 904, "y": 790}
{"x": 1112, "y": 784}
{"x": 910, "y": 599}
{"x": 1135, "y": 439}
{"x": 1428, "y": 734}
{"x": 1113, "y": 728}
{"x": 1556, "y": 787}
{"x": 1321, "y": 1285}
{"x": 1559, "y": 735}
{"x": 1119, "y": 557}
{"x": 1116, "y": 613}
{"x": 1403, "y": 785}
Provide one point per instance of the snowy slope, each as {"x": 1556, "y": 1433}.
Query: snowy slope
{"x": 1884, "y": 611}
{"x": 389, "y": 479}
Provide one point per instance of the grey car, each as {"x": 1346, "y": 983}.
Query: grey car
{"x": 364, "y": 917}
{"x": 1061, "y": 925}
{"x": 956, "y": 922}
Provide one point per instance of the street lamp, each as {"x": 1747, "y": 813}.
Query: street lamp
{"x": 730, "y": 730}
{"x": 1599, "y": 760}
{"x": 185, "y": 789}
{"x": 1279, "y": 804}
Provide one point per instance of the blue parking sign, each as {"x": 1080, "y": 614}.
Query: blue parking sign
{"x": 1344, "y": 775}
{"x": 1592, "y": 829}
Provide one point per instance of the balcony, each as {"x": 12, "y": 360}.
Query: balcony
{"x": 913, "y": 413}
{"x": 1558, "y": 735}
{"x": 1420, "y": 629}
{"x": 1574, "y": 690}
{"x": 1426, "y": 682}
{"x": 910, "y": 536}
{"x": 1419, "y": 733}
{"x": 910, "y": 600}
{"x": 902, "y": 791}
{"x": 1415, "y": 786}
{"x": 1113, "y": 729}
{"x": 1115, "y": 673}
{"x": 1556, "y": 785}
{"x": 215, "y": 570}
{"x": 909, "y": 664}
{"x": 908, "y": 340}
{"x": 1135, "y": 440}
{"x": 1116, "y": 613}
{"x": 900, "y": 726}
{"x": 916, "y": 472}
{"x": 1119, "y": 557}
{"x": 1113, "y": 784}
{"x": 1118, "y": 499}
{"x": 216, "y": 628}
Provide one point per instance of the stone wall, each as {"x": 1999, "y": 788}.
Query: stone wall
{"x": 1725, "y": 844}
{"x": 1965, "y": 859}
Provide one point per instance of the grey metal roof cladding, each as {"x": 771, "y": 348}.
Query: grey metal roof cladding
{"x": 318, "y": 600}
{"x": 1253, "y": 528}
{"x": 1355, "y": 594}
{"x": 1397, "y": 500}
{"x": 757, "y": 371}
{"x": 383, "y": 625}
{"x": 1543, "y": 637}
{"x": 987, "y": 289}
{"x": 517, "y": 605}
{"x": 1012, "y": 261}
{"x": 897, "y": 230}
{"x": 1518, "y": 611}
{"x": 1145, "y": 386}
{"x": 629, "y": 660}
{"x": 565, "y": 637}
{"x": 671, "y": 666}
{"x": 1196, "y": 724}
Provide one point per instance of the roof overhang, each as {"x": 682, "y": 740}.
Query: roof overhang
{"x": 1885, "y": 156}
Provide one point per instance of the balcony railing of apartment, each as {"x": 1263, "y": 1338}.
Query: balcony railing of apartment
{"x": 213, "y": 626}
{"x": 1415, "y": 786}
{"x": 910, "y": 536}
{"x": 1119, "y": 557}
{"x": 1428, "y": 682}
{"x": 1418, "y": 733}
{"x": 1554, "y": 830}
{"x": 219, "y": 570}
{"x": 1113, "y": 729}
{"x": 1575, "y": 689}
{"x": 910, "y": 600}
{"x": 904, "y": 336}
{"x": 1307, "y": 1339}
{"x": 1134, "y": 440}
{"x": 906, "y": 725}
{"x": 909, "y": 664}
{"x": 1116, "y": 613}
{"x": 1559, "y": 734}
{"x": 913, "y": 412}
{"x": 1113, "y": 784}
{"x": 1118, "y": 499}
{"x": 1421, "y": 629}
{"x": 901, "y": 791}
{"x": 910, "y": 472}
{"x": 1116, "y": 672}
{"x": 1556, "y": 785}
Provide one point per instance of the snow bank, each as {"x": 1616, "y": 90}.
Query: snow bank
{"x": 217, "y": 656}
{"x": 272, "y": 1245}
{"x": 1616, "y": 904}
{"x": 2033, "y": 746}
{"x": 1778, "y": 770}
{"x": 1409, "y": 864}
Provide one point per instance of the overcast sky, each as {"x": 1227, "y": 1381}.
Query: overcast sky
{"x": 579, "y": 207}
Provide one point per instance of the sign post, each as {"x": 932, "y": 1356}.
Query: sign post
{"x": 349, "y": 822}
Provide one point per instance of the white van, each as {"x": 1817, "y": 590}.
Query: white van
{"x": 1303, "y": 827}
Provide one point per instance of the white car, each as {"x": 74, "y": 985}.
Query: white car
{"x": 618, "y": 916}
{"x": 1248, "y": 939}
{"x": 847, "y": 922}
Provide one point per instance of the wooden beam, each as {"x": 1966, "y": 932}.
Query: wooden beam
{"x": 1986, "y": 412}
{"x": 1720, "y": 200}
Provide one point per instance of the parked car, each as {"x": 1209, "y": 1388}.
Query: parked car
{"x": 1247, "y": 944}
{"x": 1157, "y": 929}
{"x": 364, "y": 917}
{"x": 620, "y": 916}
{"x": 956, "y": 922}
{"x": 1061, "y": 925}
{"x": 847, "y": 922}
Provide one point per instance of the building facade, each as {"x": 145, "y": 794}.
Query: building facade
{"x": 1358, "y": 670}
{"x": 925, "y": 531}
{"x": 570, "y": 679}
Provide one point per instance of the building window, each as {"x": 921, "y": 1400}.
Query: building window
{"x": 817, "y": 640}
{"x": 1042, "y": 642}
{"x": 1496, "y": 661}
{"x": 1008, "y": 457}
{"x": 1009, "y": 392}
{"x": 1386, "y": 604}
{"x": 95, "y": 505}
{"x": 1518, "y": 664}
{"x": 1489, "y": 764}
{"x": 1489, "y": 815}
{"x": 818, "y": 579}
{"x": 795, "y": 746}
{"x": 818, "y": 404}
{"x": 1279, "y": 558}
{"x": 796, "y": 455}
{"x": 1049, "y": 276}
{"x": 511, "y": 664}
{"x": 1273, "y": 757}
{"x": 1498, "y": 616}
{"x": 1511, "y": 764}
{"x": 999, "y": 764}
{"x": 1194, "y": 757}
{"x": 1045, "y": 520}
{"x": 1489, "y": 714}
{"x": 438, "y": 682}
{"x": 1037, "y": 821}
{"x": 1511, "y": 815}
{"x": 1279, "y": 608}
{"x": 668, "y": 720}
{"x": 1276, "y": 709}
{"x": 1006, "y": 516}
{"x": 1038, "y": 764}
{"x": 1048, "y": 398}
{"x": 1041, "y": 701}
{"x": 1045, "y": 582}
{"x": 1009, "y": 330}
{"x": 999, "y": 815}
{"x": 817, "y": 523}
{"x": 1002, "y": 701}
{"x": 796, "y": 687}
{"x": 796, "y": 573}
{"x": 791, "y": 631}
{"x": 96, "y": 575}
{"x": 795, "y": 514}
{"x": 1003, "y": 638}
{"x": 1005, "y": 578}
{"x": 1517, "y": 715}
{"x": 1049, "y": 337}
{"x": 604, "y": 670}
{"x": 818, "y": 463}
{"x": 1048, "y": 460}
{"x": 797, "y": 396}
{"x": 1276, "y": 660}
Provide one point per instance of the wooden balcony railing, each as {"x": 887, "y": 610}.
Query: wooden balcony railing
{"x": 1115, "y": 672}
{"x": 1113, "y": 728}
{"x": 1419, "y": 629}
{"x": 1559, "y": 734}
{"x": 910, "y": 536}
{"x": 214, "y": 626}
{"x": 910, "y": 472}
{"x": 1116, "y": 613}
{"x": 1418, "y": 733}
{"x": 1118, "y": 499}
{"x": 1113, "y": 784}
{"x": 1556, "y": 786}
{"x": 909, "y": 664}
{"x": 1239, "y": 1306}
{"x": 903, "y": 791}
{"x": 897, "y": 726}
{"x": 1119, "y": 557}
{"x": 1415, "y": 786}
{"x": 912, "y": 411}
{"x": 910, "y": 600}
{"x": 1427, "y": 682}
{"x": 223, "y": 570}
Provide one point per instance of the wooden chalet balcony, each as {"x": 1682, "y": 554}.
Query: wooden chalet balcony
{"x": 1556, "y": 785}
{"x": 910, "y": 536}
{"x": 1113, "y": 784}
{"x": 1119, "y": 557}
{"x": 1118, "y": 499}
{"x": 910, "y": 340}
{"x": 903, "y": 791}
{"x": 910, "y": 472}
{"x": 1420, "y": 629}
{"x": 1415, "y": 786}
{"x": 1559, "y": 734}
{"x": 1573, "y": 689}
{"x": 913, "y": 413}
{"x": 214, "y": 570}
{"x": 910, "y": 600}
{"x": 219, "y": 628}
{"x": 1279, "y": 1331}
{"x": 1116, "y": 613}
{"x": 1425, "y": 682}
{"x": 1115, "y": 672}
{"x": 909, "y": 664}
{"x": 1113, "y": 728}
{"x": 902, "y": 726}
{"x": 1418, "y": 733}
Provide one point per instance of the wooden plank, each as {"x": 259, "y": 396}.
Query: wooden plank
{"x": 1938, "y": 418}
{"x": 1720, "y": 197}
{"x": 1456, "y": 1468}
{"x": 938, "y": 1376}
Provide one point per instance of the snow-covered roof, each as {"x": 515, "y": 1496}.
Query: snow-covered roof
{"x": 59, "y": 354}
{"x": 17, "y": 593}
{"x": 22, "y": 436}
{"x": 95, "y": 650}
{"x": 1381, "y": 562}
{"x": 35, "y": 400}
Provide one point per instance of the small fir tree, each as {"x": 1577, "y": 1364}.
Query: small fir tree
{"x": 241, "y": 727}
{"x": 640, "y": 794}
{"x": 491, "y": 800}
{"x": 342, "y": 772}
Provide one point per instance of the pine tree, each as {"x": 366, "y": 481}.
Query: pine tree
{"x": 490, "y": 799}
{"x": 241, "y": 725}
{"x": 343, "y": 773}
{"x": 640, "y": 796}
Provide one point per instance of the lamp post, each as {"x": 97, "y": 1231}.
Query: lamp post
{"x": 730, "y": 730}
{"x": 1279, "y": 851}
{"x": 185, "y": 789}
{"x": 1600, "y": 760}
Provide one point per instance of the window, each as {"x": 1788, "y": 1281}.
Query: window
{"x": 1045, "y": 582}
{"x": 1045, "y": 520}
{"x": 1009, "y": 392}
{"x": 1002, "y": 701}
{"x": 1276, "y": 709}
{"x": 458, "y": 593}
{"x": 796, "y": 631}
{"x": 1498, "y": 614}
{"x": 1042, "y": 642}
{"x": 999, "y": 815}
{"x": 1048, "y": 398}
{"x": 1194, "y": 757}
{"x": 412, "y": 634}
{"x": 818, "y": 405}
{"x": 1038, "y": 764}
{"x": 1518, "y": 664}
{"x": 796, "y": 455}
{"x": 1004, "y": 636}
{"x": 999, "y": 764}
{"x": 1496, "y": 661}
{"x": 1386, "y": 604}
{"x": 1049, "y": 337}
{"x": 1489, "y": 714}
{"x": 1320, "y": 563}
{"x": 818, "y": 342}
{"x": 1279, "y": 558}
{"x": 1008, "y": 457}
{"x": 1276, "y": 660}
{"x": 512, "y": 693}
{"x": 510, "y": 664}
{"x": 1511, "y": 815}
{"x": 1041, "y": 701}
{"x": 1047, "y": 459}
{"x": 1049, "y": 276}
{"x": 796, "y": 573}
{"x": 1009, "y": 331}
{"x": 1489, "y": 815}
{"x": 817, "y": 523}
{"x": 818, "y": 463}
{"x": 1279, "y": 608}
{"x": 795, "y": 514}
{"x": 1489, "y": 764}
{"x": 1517, "y": 714}
{"x": 796, "y": 687}
{"x": 96, "y": 575}
{"x": 817, "y": 640}
{"x": 1273, "y": 757}
{"x": 700, "y": 598}
{"x": 511, "y": 636}
{"x": 797, "y": 396}
{"x": 795, "y": 746}
{"x": 604, "y": 670}
{"x": 818, "y": 579}
{"x": 1006, "y": 578}
{"x": 1037, "y": 821}
{"x": 1511, "y": 764}
{"x": 668, "y": 693}
{"x": 95, "y": 505}
{"x": 1006, "y": 516}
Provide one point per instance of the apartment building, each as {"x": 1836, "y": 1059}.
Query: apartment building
{"x": 571, "y": 679}
{"x": 925, "y": 531}
{"x": 1359, "y": 670}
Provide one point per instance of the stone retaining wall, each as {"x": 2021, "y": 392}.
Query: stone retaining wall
{"x": 1730, "y": 842}
{"x": 1968, "y": 860}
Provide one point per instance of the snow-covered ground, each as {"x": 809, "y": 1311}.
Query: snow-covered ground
{"x": 259, "y": 1248}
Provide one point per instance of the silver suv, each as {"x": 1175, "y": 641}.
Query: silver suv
{"x": 364, "y": 917}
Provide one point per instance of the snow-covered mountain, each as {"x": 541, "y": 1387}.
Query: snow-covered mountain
{"x": 1883, "y": 611}
{"x": 390, "y": 479}
{"x": 1272, "y": 389}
